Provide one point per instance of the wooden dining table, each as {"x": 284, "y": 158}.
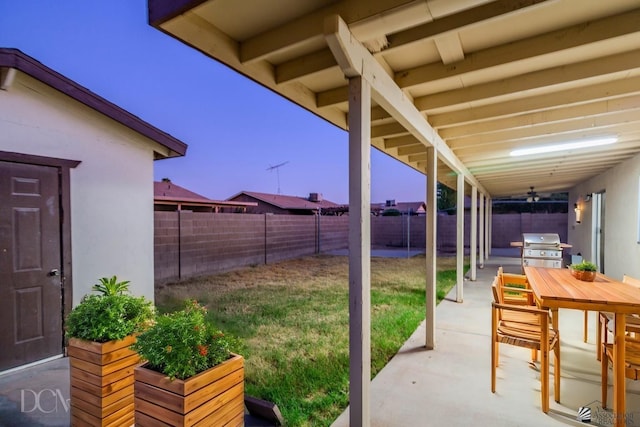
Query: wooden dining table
{"x": 556, "y": 288}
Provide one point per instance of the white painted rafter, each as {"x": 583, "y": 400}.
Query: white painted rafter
{"x": 7, "y": 75}
{"x": 355, "y": 60}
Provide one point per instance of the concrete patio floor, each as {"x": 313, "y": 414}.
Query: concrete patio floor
{"x": 449, "y": 385}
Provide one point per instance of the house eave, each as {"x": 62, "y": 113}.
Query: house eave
{"x": 14, "y": 59}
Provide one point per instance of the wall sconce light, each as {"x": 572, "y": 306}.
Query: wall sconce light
{"x": 578, "y": 212}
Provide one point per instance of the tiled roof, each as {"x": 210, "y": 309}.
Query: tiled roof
{"x": 401, "y": 206}
{"x": 169, "y": 190}
{"x": 166, "y": 192}
{"x": 413, "y": 206}
{"x": 287, "y": 202}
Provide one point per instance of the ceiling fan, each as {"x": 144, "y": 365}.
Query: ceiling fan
{"x": 532, "y": 196}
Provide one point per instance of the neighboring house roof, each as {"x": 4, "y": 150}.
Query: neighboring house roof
{"x": 166, "y": 192}
{"x": 169, "y": 190}
{"x": 287, "y": 202}
{"x": 14, "y": 59}
{"x": 414, "y": 207}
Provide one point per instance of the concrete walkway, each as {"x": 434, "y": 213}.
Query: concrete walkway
{"x": 451, "y": 385}
{"x": 448, "y": 386}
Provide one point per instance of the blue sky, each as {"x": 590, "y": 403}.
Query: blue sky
{"x": 235, "y": 128}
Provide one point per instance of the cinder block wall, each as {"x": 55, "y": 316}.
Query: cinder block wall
{"x": 509, "y": 227}
{"x": 397, "y": 231}
{"x": 290, "y": 236}
{"x": 333, "y": 232}
{"x": 166, "y": 245}
{"x": 447, "y": 226}
{"x": 189, "y": 244}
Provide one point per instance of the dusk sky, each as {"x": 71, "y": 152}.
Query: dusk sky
{"x": 236, "y": 129}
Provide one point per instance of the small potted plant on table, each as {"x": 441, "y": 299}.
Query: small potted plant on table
{"x": 191, "y": 374}
{"x": 100, "y": 330}
{"x": 584, "y": 270}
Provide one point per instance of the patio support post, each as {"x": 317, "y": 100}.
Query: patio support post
{"x": 491, "y": 227}
{"x": 473, "y": 239}
{"x": 487, "y": 228}
{"x": 459, "y": 237}
{"x": 432, "y": 212}
{"x": 359, "y": 251}
{"x": 481, "y": 230}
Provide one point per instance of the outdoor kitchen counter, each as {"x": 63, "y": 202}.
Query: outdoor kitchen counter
{"x": 556, "y": 288}
{"x": 519, "y": 244}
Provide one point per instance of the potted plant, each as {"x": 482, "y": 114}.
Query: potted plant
{"x": 584, "y": 270}
{"x": 100, "y": 330}
{"x": 191, "y": 374}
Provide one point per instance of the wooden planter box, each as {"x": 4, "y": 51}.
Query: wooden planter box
{"x": 102, "y": 382}
{"x": 214, "y": 397}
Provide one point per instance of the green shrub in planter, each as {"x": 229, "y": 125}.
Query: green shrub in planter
{"x": 111, "y": 314}
{"x": 584, "y": 266}
{"x": 183, "y": 343}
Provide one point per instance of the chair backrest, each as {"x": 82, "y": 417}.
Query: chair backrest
{"x": 497, "y": 295}
{"x": 497, "y": 292}
{"x": 519, "y": 280}
{"x": 631, "y": 281}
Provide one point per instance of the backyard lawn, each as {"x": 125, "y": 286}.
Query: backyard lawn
{"x": 293, "y": 320}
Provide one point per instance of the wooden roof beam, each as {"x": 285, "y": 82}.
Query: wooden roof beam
{"x": 454, "y": 22}
{"x": 594, "y": 109}
{"x": 400, "y": 141}
{"x": 443, "y": 102}
{"x": 310, "y": 27}
{"x": 356, "y": 60}
{"x": 459, "y": 98}
{"x": 580, "y": 35}
{"x": 442, "y": 30}
{"x": 610, "y": 90}
{"x": 568, "y": 129}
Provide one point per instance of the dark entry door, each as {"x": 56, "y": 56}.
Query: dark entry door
{"x": 30, "y": 285}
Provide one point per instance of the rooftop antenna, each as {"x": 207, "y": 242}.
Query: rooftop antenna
{"x": 277, "y": 169}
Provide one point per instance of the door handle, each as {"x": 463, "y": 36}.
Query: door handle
{"x": 54, "y": 272}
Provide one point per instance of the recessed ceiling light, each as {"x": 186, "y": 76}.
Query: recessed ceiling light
{"x": 586, "y": 143}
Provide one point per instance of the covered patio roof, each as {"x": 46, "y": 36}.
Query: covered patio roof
{"x": 488, "y": 76}
{"x": 450, "y": 88}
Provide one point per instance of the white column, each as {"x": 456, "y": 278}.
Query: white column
{"x": 359, "y": 252}
{"x": 459, "y": 237}
{"x": 432, "y": 213}
{"x": 473, "y": 239}
{"x": 481, "y": 232}
{"x": 487, "y": 228}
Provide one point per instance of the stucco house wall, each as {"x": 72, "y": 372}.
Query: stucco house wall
{"x": 621, "y": 248}
{"x": 111, "y": 190}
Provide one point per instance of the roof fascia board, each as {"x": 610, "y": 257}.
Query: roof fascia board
{"x": 161, "y": 11}
{"x": 355, "y": 60}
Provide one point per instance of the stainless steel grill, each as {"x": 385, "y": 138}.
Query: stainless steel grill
{"x": 541, "y": 250}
